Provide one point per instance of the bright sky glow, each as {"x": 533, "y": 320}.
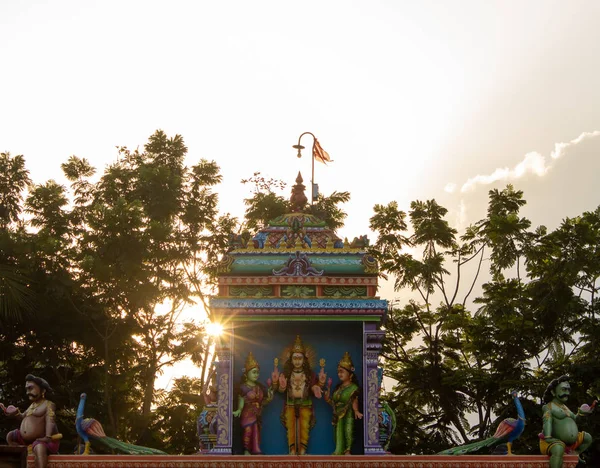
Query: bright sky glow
{"x": 412, "y": 100}
{"x": 214, "y": 329}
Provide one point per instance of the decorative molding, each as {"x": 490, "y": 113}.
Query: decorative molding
{"x": 307, "y": 461}
{"x": 373, "y": 344}
{"x": 345, "y": 291}
{"x": 277, "y": 303}
{"x": 263, "y": 280}
{"x": 298, "y": 265}
{"x": 372, "y": 409}
{"x": 291, "y": 312}
{"x": 251, "y": 291}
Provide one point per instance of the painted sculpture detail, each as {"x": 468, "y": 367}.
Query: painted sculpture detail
{"x": 299, "y": 382}
{"x": 560, "y": 434}
{"x": 91, "y": 430}
{"x": 508, "y": 431}
{"x": 253, "y": 396}
{"x": 206, "y": 424}
{"x": 38, "y": 428}
{"x": 387, "y": 417}
{"x": 345, "y": 406}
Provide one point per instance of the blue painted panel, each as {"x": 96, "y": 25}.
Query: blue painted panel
{"x": 267, "y": 340}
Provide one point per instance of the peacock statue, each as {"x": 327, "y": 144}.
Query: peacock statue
{"x": 91, "y": 429}
{"x": 508, "y": 431}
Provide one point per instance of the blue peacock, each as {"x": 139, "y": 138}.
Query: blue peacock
{"x": 508, "y": 431}
{"x": 92, "y": 429}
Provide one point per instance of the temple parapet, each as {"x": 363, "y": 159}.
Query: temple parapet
{"x": 240, "y": 461}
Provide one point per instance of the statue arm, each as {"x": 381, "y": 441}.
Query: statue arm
{"x": 240, "y": 406}
{"x": 547, "y": 421}
{"x": 12, "y": 412}
{"x": 50, "y": 419}
{"x": 357, "y": 413}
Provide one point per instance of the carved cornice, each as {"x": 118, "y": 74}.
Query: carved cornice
{"x": 328, "y": 280}
{"x": 297, "y": 303}
{"x": 373, "y": 345}
{"x": 273, "y": 312}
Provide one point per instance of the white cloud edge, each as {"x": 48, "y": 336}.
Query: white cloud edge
{"x": 532, "y": 163}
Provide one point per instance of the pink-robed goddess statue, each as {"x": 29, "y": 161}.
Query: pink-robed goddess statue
{"x": 252, "y": 397}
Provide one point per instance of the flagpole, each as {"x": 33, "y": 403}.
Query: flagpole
{"x": 299, "y": 147}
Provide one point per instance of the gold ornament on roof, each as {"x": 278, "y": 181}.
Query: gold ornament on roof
{"x": 346, "y": 362}
{"x": 251, "y": 363}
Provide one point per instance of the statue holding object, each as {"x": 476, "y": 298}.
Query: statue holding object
{"x": 253, "y": 396}
{"x": 345, "y": 405}
{"x": 299, "y": 383}
{"x": 38, "y": 427}
{"x": 560, "y": 434}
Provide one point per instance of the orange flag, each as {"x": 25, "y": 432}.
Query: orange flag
{"x": 320, "y": 154}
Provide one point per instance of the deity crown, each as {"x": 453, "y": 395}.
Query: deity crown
{"x": 298, "y": 346}
{"x": 251, "y": 363}
{"x": 346, "y": 362}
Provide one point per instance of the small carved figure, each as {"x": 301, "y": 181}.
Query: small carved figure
{"x": 299, "y": 382}
{"x": 250, "y": 402}
{"x": 560, "y": 434}
{"x": 345, "y": 406}
{"x": 38, "y": 427}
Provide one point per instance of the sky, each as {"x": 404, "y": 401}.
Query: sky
{"x": 412, "y": 100}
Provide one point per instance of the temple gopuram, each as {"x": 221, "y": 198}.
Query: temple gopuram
{"x": 297, "y": 278}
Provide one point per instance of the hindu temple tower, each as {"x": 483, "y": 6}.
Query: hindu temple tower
{"x": 297, "y": 277}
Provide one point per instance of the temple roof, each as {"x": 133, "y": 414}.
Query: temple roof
{"x": 298, "y": 244}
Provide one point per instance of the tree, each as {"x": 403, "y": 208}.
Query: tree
{"x": 108, "y": 267}
{"x": 265, "y": 204}
{"x": 450, "y": 361}
{"x": 149, "y": 234}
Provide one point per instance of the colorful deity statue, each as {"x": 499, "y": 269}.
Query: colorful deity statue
{"x": 345, "y": 406}
{"x": 38, "y": 427}
{"x": 253, "y": 396}
{"x": 206, "y": 424}
{"x": 560, "y": 434}
{"x": 299, "y": 383}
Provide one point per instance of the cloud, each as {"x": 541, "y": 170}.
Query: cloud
{"x": 560, "y": 148}
{"x": 532, "y": 163}
{"x": 450, "y": 188}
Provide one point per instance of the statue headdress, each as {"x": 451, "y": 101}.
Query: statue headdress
{"x": 42, "y": 383}
{"x": 298, "y": 346}
{"x": 346, "y": 362}
{"x": 251, "y": 363}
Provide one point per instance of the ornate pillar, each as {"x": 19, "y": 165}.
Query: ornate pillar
{"x": 225, "y": 394}
{"x": 372, "y": 339}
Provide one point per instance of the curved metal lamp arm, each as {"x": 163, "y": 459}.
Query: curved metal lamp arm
{"x": 299, "y": 147}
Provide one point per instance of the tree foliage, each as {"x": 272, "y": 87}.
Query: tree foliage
{"x": 455, "y": 352}
{"x": 94, "y": 278}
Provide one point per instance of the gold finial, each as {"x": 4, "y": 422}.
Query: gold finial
{"x": 298, "y": 346}
{"x": 346, "y": 362}
{"x": 276, "y": 362}
{"x": 322, "y": 362}
{"x": 250, "y": 363}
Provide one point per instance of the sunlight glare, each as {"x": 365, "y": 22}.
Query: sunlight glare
{"x": 214, "y": 329}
